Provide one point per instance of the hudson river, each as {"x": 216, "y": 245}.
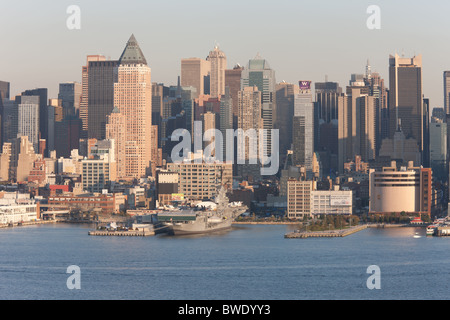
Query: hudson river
{"x": 249, "y": 262}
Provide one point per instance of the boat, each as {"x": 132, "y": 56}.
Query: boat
{"x": 431, "y": 230}
{"x": 206, "y": 217}
{"x": 417, "y": 236}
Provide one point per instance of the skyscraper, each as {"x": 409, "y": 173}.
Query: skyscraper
{"x": 85, "y": 92}
{"x": 249, "y": 119}
{"x": 4, "y": 95}
{"x": 70, "y": 96}
{"x": 4, "y": 90}
{"x": 438, "y": 149}
{"x": 194, "y": 72}
{"x": 133, "y": 98}
{"x": 43, "y": 110}
{"x": 303, "y": 128}
{"x": 405, "y": 97}
{"x": 447, "y": 92}
{"x": 209, "y": 123}
{"x": 285, "y": 96}
{"x": 233, "y": 81}
{"x": 327, "y": 94}
{"x": 226, "y": 117}
{"x": 28, "y": 119}
{"x": 102, "y": 77}
{"x": 258, "y": 73}
{"x": 218, "y": 61}
{"x": 356, "y": 132}
{"x": 115, "y": 129}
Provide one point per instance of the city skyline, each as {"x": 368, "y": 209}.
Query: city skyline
{"x": 298, "y": 47}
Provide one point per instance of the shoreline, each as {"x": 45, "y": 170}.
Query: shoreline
{"x": 266, "y": 223}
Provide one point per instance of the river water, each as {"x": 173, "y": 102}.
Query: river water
{"x": 249, "y": 262}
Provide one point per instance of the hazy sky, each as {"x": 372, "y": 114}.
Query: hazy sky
{"x": 302, "y": 40}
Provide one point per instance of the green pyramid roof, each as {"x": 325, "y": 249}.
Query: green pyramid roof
{"x": 132, "y": 53}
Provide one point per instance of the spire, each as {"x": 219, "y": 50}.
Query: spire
{"x": 132, "y": 54}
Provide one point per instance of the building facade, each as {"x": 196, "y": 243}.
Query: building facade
{"x": 218, "y": 61}
{"x": 393, "y": 190}
{"x": 133, "y": 99}
{"x": 199, "y": 181}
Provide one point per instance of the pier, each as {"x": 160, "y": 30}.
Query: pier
{"x": 324, "y": 234}
{"x": 132, "y": 233}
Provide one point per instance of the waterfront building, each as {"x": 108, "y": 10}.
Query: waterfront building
{"x": 107, "y": 203}
{"x": 199, "y": 181}
{"x": 166, "y": 187}
{"x": 16, "y": 207}
{"x": 331, "y": 202}
{"x": 299, "y": 198}
{"x": 408, "y": 189}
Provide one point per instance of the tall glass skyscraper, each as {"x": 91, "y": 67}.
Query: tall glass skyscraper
{"x": 303, "y": 128}
{"x": 258, "y": 73}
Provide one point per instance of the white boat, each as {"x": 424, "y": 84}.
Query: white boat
{"x": 417, "y": 236}
{"x": 431, "y": 230}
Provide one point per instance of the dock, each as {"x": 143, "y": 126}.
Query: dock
{"x": 324, "y": 234}
{"x": 442, "y": 231}
{"x": 132, "y": 233}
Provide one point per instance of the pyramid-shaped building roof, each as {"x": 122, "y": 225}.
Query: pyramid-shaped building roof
{"x": 132, "y": 54}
